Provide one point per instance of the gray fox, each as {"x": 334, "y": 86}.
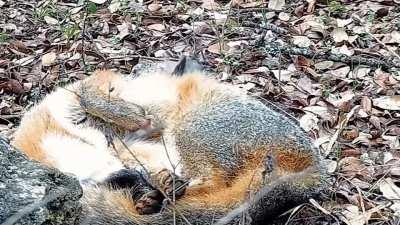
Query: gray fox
{"x": 228, "y": 144}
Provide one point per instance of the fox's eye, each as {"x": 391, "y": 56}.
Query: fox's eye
{"x": 111, "y": 89}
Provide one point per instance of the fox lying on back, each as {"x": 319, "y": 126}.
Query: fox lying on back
{"x": 226, "y": 142}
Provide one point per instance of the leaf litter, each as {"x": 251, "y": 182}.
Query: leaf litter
{"x": 345, "y": 94}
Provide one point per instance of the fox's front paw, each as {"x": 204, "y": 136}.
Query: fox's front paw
{"x": 150, "y": 202}
{"x": 171, "y": 184}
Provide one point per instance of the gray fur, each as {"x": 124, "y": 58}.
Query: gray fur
{"x": 186, "y": 65}
{"x": 221, "y": 130}
{"x": 124, "y": 114}
{"x": 241, "y": 125}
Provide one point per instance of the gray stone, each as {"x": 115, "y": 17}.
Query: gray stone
{"x": 31, "y": 193}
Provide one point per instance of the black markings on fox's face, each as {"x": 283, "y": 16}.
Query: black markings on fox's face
{"x": 187, "y": 65}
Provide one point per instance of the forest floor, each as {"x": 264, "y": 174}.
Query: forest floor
{"x": 333, "y": 64}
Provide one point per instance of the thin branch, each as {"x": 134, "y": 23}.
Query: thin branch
{"x": 276, "y": 49}
{"x": 85, "y": 6}
{"x": 131, "y": 153}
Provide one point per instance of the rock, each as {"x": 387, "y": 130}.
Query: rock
{"x": 31, "y": 193}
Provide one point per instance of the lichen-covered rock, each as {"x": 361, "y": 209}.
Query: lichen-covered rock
{"x": 31, "y": 193}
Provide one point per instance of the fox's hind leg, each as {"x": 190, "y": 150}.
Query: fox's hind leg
{"x": 146, "y": 198}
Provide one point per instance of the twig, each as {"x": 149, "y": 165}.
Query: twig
{"x": 275, "y": 49}
{"x": 342, "y": 124}
{"x": 173, "y": 176}
{"x": 367, "y": 28}
{"x": 266, "y": 26}
{"x": 143, "y": 57}
{"x": 384, "y": 45}
{"x": 133, "y": 155}
{"x": 11, "y": 116}
{"x": 83, "y": 36}
{"x": 256, "y": 9}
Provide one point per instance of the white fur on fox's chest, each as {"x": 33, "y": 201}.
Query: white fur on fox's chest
{"x": 156, "y": 90}
{"x": 85, "y": 152}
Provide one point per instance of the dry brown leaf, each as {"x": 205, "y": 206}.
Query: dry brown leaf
{"x": 339, "y": 34}
{"x": 366, "y": 104}
{"x": 12, "y": 86}
{"x": 124, "y": 30}
{"x": 341, "y": 125}
{"x": 342, "y": 50}
{"x": 309, "y": 122}
{"x": 285, "y": 75}
{"x": 311, "y": 5}
{"x": 338, "y": 99}
{"x": 360, "y": 72}
{"x": 20, "y": 46}
{"x": 276, "y": 4}
{"x": 350, "y": 152}
{"x": 50, "y": 20}
{"x": 363, "y": 138}
{"x": 349, "y": 134}
{"x": 321, "y": 111}
{"x": 352, "y": 216}
{"x": 157, "y": 27}
{"x": 391, "y": 192}
{"x": 392, "y": 141}
{"x": 341, "y": 72}
{"x": 395, "y": 35}
{"x": 351, "y": 167}
{"x": 323, "y": 65}
{"x": 114, "y": 6}
{"x": 302, "y": 41}
{"x": 387, "y": 102}
{"x": 98, "y": 1}
{"x": 217, "y": 48}
{"x": 343, "y": 22}
{"x": 210, "y": 5}
{"x": 153, "y": 7}
{"x": 49, "y": 58}
{"x": 25, "y": 60}
{"x": 284, "y": 16}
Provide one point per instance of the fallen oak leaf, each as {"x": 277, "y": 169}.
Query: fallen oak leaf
{"x": 157, "y": 27}
{"x": 49, "y": 58}
{"x": 352, "y": 215}
{"x": 98, "y": 1}
{"x": 12, "y": 86}
{"x": 391, "y": 192}
{"x": 276, "y": 4}
{"x": 387, "y": 102}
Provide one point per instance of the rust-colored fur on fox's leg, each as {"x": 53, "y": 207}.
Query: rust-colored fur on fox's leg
{"x": 229, "y": 192}
{"x": 225, "y": 190}
{"x": 102, "y": 206}
{"x": 210, "y": 203}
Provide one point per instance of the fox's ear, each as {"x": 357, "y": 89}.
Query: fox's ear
{"x": 187, "y": 65}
